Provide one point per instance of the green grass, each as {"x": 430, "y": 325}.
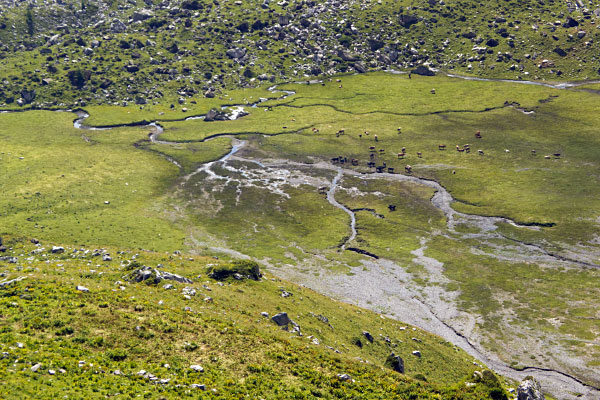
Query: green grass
{"x": 58, "y": 191}
{"x": 131, "y": 327}
{"x": 59, "y": 188}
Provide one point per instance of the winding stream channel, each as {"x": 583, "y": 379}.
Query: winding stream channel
{"x": 558, "y": 383}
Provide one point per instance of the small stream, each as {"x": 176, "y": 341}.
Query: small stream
{"x": 331, "y": 199}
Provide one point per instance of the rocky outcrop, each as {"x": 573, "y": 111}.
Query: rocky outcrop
{"x": 154, "y": 276}
{"x": 530, "y": 389}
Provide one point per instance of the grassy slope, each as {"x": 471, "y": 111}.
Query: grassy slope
{"x": 132, "y": 327}
{"x": 95, "y": 169}
{"x": 67, "y": 180}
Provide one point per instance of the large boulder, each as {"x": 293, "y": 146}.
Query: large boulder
{"x": 346, "y": 56}
{"x": 28, "y": 95}
{"x": 117, "y": 26}
{"x": 142, "y": 15}
{"x": 530, "y": 389}
{"x": 281, "y": 319}
{"x": 395, "y": 362}
{"x": 236, "y": 53}
{"x": 153, "y": 276}
{"x": 407, "y": 20}
{"x": 570, "y": 23}
{"x": 215, "y": 115}
{"x": 560, "y": 52}
{"x": 492, "y": 42}
{"x": 422, "y": 70}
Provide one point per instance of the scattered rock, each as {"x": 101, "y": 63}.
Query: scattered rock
{"x": 82, "y": 289}
{"x": 36, "y": 367}
{"x": 196, "y": 368}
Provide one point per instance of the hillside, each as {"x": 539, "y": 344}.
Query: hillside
{"x": 106, "y": 52}
{"x": 84, "y": 322}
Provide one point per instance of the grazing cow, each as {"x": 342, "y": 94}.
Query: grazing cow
{"x": 372, "y": 156}
{"x": 372, "y": 149}
{"x": 376, "y": 138}
{"x": 401, "y": 155}
{"x": 432, "y": 91}
{"x": 441, "y": 147}
{"x": 381, "y": 151}
{"x": 408, "y": 169}
{"x": 460, "y": 150}
{"x": 392, "y": 207}
{"x": 367, "y": 133}
{"x": 480, "y": 152}
{"x": 404, "y": 149}
{"x": 419, "y": 154}
{"x": 556, "y": 154}
{"x": 335, "y": 160}
{"x": 478, "y": 135}
{"x": 360, "y": 135}
{"x": 453, "y": 172}
{"x": 390, "y": 170}
{"x": 506, "y": 150}
{"x": 323, "y": 189}
{"x": 533, "y": 152}
{"x": 338, "y": 80}
{"x": 399, "y": 130}
{"x": 380, "y": 168}
{"x": 547, "y": 157}
{"x": 354, "y": 162}
{"x": 371, "y": 164}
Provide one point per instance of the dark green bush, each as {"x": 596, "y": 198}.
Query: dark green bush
{"x": 244, "y": 268}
